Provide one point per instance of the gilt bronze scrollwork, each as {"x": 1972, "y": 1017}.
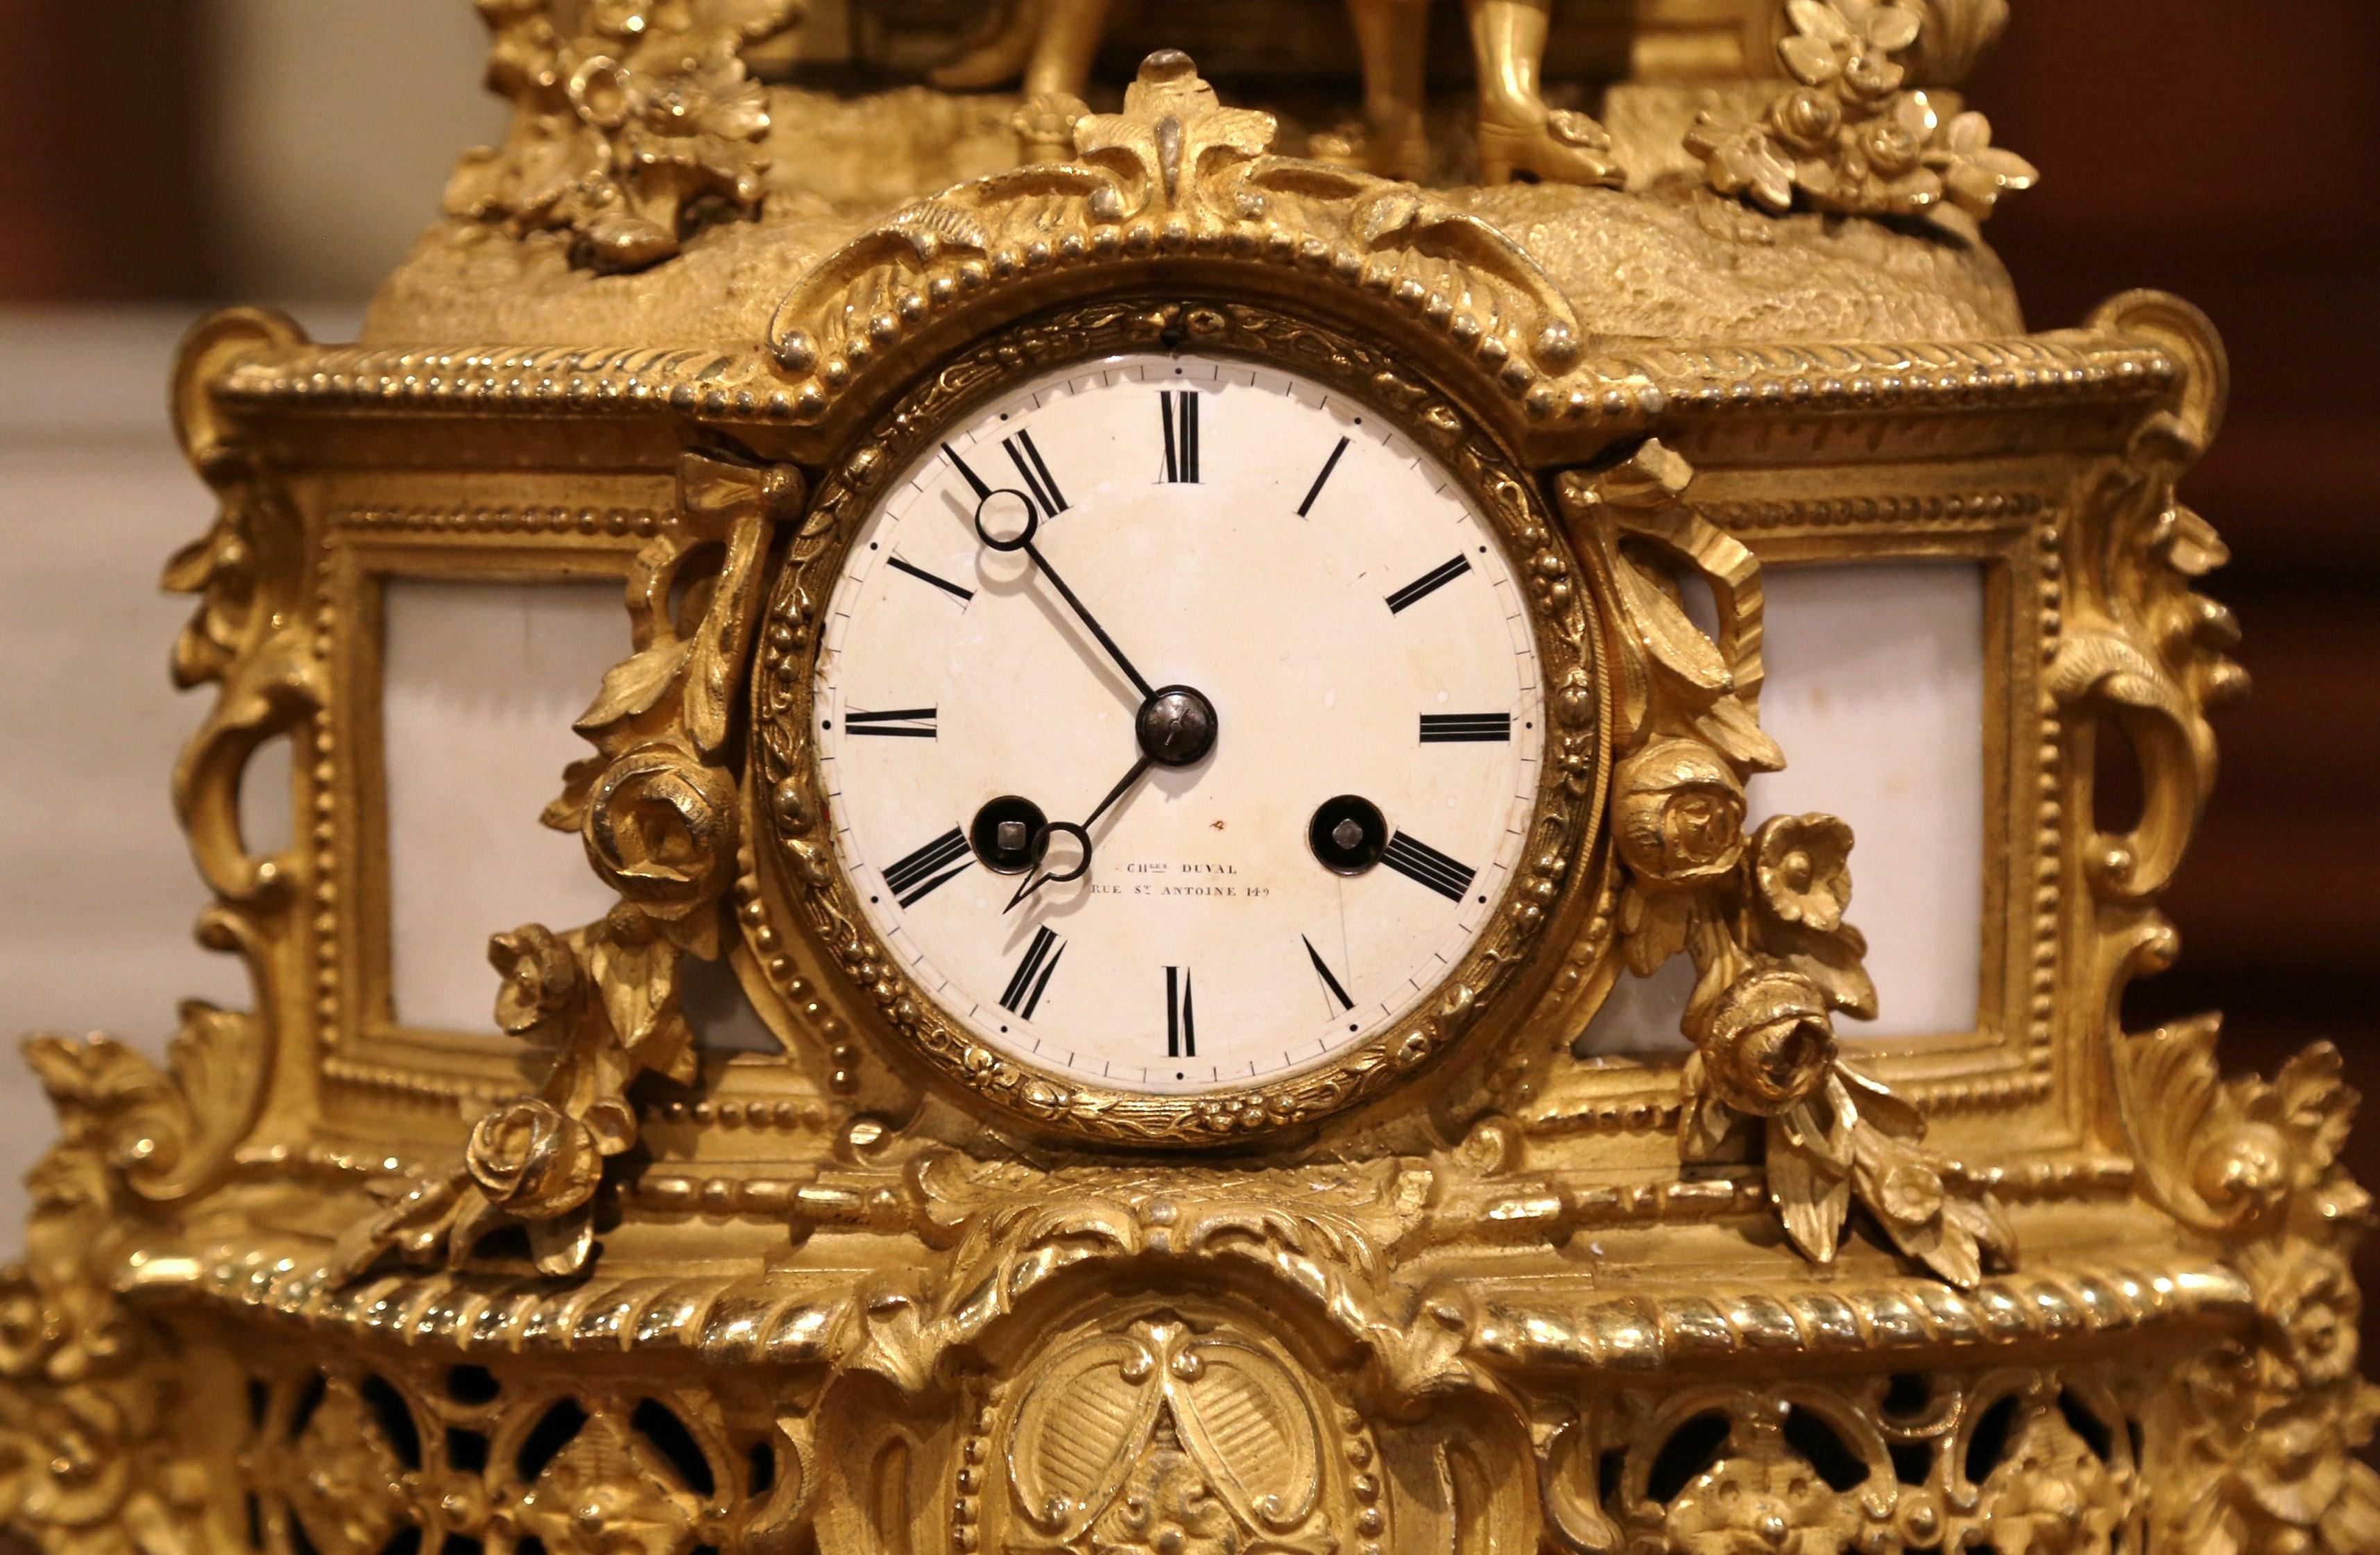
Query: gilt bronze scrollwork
{"x": 331, "y": 1284}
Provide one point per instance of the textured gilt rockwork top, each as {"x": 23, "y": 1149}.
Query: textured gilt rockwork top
{"x": 660, "y": 131}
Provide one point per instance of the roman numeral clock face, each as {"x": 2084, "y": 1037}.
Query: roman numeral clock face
{"x": 1180, "y": 723}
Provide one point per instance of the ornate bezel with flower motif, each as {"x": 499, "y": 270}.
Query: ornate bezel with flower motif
{"x": 1503, "y": 971}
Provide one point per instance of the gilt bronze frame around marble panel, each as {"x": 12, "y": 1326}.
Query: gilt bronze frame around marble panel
{"x": 589, "y": 525}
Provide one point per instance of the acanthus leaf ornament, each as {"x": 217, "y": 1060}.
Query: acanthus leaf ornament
{"x": 87, "y": 1460}
{"x": 1852, "y": 136}
{"x": 1173, "y": 141}
{"x": 166, "y": 1134}
{"x": 1762, "y": 916}
{"x": 1175, "y": 173}
{"x": 659, "y": 819}
{"x": 2151, "y": 652}
{"x": 2267, "y": 1426}
{"x": 998, "y": 1233}
{"x": 89, "y": 1386}
{"x": 245, "y": 637}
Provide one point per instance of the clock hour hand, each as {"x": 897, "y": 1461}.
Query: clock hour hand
{"x": 1118, "y": 791}
{"x": 1081, "y": 833}
{"x": 1034, "y": 882}
{"x": 994, "y": 502}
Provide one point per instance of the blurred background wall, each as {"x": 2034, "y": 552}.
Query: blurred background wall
{"x": 176, "y": 150}
{"x": 2231, "y": 154}
{"x": 160, "y": 155}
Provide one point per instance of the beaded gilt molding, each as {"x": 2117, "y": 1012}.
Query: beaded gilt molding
{"x": 329, "y": 1284}
{"x": 1569, "y": 792}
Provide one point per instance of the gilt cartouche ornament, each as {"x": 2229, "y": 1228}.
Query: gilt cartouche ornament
{"x": 1022, "y": 477}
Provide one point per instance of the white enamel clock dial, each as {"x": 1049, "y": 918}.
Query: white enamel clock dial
{"x": 1330, "y": 791}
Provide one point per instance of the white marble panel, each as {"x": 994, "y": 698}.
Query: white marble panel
{"x": 479, "y": 683}
{"x": 1876, "y": 692}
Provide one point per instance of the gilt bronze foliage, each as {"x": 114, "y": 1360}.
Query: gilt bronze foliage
{"x": 586, "y": 1279}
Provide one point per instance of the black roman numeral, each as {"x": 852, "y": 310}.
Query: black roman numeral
{"x": 1181, "y": 408}
{"x": 1320, "y": 481}
{"x": 1322, "y": 970}
{"x": 1423, "y": 865}
{"x": 1428, "y": 583}
{"x": 910, "y": 723}
{"x": 1037, "y": 477}
{"x": 1024, "y": 995}
{"x": 1181, "y": 1033}
{"x": 922, "y": 575}
{"x": 1465, "y": 728}
{"x": 917, "y": 876}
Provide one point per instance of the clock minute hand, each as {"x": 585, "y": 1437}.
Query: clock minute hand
{"x": 1139, "y": 681}
{"x": 1082, "y": 834}
{"x": 986, "y": 497}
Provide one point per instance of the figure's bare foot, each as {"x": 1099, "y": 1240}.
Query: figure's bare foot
{"x": 1363, "y": 148}
{"x": 1341, "y": 147}
{"x": 1398, "y": 146}
{"x": 1551, "y": 143}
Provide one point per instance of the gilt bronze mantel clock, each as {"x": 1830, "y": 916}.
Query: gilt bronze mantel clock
{"x": 1190, "y": 668}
